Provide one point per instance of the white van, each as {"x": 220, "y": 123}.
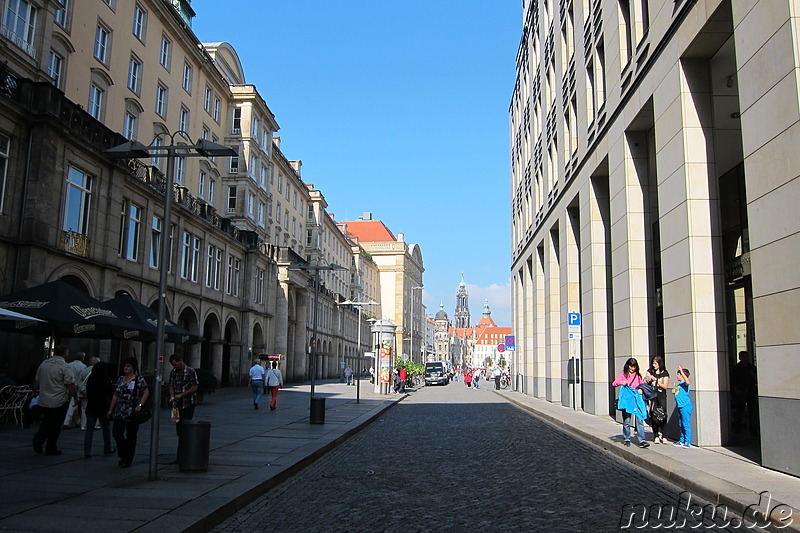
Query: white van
{"x": 436, "y": 373}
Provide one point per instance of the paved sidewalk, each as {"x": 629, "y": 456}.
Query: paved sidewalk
{"x": 250, "y": 451}
{"x": 711, "y": 473}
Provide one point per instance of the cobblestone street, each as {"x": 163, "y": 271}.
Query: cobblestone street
{"x": 453, "y": 459}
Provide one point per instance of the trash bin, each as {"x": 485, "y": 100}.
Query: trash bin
{"x": 194, "y": 445}
{"x": 317, "y": 410}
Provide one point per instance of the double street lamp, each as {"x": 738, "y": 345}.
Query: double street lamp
{"x": 358, "y": 344}
{"x": 137, "y": 150}
{"x": 317, "y": 405}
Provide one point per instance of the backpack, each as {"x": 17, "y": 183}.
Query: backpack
{"x": 658, "y": 415}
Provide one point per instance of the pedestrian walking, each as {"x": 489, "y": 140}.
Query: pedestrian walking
{"x": 658, "y": 377}
{"x": 476, "y": 377}
{"x": 468, "y": 378}
{"x": 257, "y": 374}
{"x": 498, "y": 373}
{"x": 77, "y": 405}
{"x": 130, "y": 395}
{"x": 403, "y": 375}
{"x": 182, "y": 392}
{"x": 631, "y": 402}
{"x": 684, "y": 406}
{"x": 348, "y": 375}
{"x": 54, "y": 385}
{"x": 99, "y": 391}
{"x": 274, "y": 382}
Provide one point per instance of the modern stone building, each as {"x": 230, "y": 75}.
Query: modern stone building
{"x": 654, "y": 176}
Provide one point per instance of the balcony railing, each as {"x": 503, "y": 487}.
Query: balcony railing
{"x": 17, "y": 39}
{"x": 75, "y": 243}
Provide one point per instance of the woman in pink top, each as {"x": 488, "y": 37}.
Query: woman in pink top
{"x": 631, "y": 377}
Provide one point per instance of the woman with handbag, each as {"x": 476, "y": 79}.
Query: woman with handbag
{"x": 658, "y": 377}
{"x": 130, "y": 396}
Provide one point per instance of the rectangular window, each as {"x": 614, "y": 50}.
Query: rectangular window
{"x": 201, "y": 185}
{"x": 280, "y": 183}
{"x": 234, "y": 165}
{"x": 211, "y": 252}
{"x": 234, "y": 271}
{"x": 294, "y": 202}
{"x": 208, "y": 100}
{"x": 95, "y": 108}
{"x": 217, "y": 106}
{"x": 262, "y": 176}
{"x": 55, "y": 65}
{"x": 261, "y": 214}
{"x": 60, "y": 14}
{"x": 231, "y": 199}
{"x": 77, "y": 201}
{"x": 134, "y": 228}
{"x": 139, "y": 21}
{"x": 130, "y": 126}
{"x": 250, "y": 206}
{"x": 218, "y": 269}
{"x": 237, "y": 120}
{"x": 211, "y": 190}
{"x": 258, "y": 297}
{"x": 183, "y": 119}
{"x": 162, "y": 94}
{"x": 165, "y": 55}
{"x": 278, "y": 212}
{"x": 196, "y": 244}
{"x": 180, "y": 170}
{"x": 20, "y": 24}
{"x": 186, "y": 255}
{"x": 188, "y": 74}
{"x": 4, "y": 144}
{"x": 134, "y": 75}
{"x": 156, "y": 231}
{"x": 102, "y": 40}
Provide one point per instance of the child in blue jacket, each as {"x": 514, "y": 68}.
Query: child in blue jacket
{"x": 685, "y": 408}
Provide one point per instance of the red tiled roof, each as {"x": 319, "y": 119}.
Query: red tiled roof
{"x": 368, "y": 231}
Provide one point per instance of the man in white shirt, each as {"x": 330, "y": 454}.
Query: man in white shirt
{"x": 257, "y": 375}
{"x": 77, "y": 405}
{"x": 274, "y": 382}
{"x": 55, "y": 385}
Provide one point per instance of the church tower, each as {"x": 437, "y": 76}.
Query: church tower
{"x": 442, "y": 335}
{"x": 462, "y": 317}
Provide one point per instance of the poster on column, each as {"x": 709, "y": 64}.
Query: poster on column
{"x": 386, "y": 361}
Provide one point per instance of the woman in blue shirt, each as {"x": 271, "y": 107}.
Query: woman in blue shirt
{"x": 685, "y": 408}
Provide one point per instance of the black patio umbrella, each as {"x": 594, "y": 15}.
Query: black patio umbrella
{"x": 68, "y": 312}
{"x": 126, "y": 306}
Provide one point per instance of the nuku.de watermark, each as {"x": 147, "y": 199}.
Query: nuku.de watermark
{"x": 685, "y": 514}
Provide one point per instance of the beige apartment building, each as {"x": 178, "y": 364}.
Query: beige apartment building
{"x": 654, "y": 177}
{"x": 401, "y": 267}
{"x": 79, "y": 79}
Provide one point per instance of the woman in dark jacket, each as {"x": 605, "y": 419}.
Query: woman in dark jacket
{"x": 130, "y": 395}
{"x": 99, "y": 390}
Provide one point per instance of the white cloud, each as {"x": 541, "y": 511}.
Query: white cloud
{"x": 499, "y": 297}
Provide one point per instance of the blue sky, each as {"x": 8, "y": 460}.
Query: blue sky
{"x": 399, "y": 109}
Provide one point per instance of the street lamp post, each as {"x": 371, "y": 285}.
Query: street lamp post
{"x": 358, "y": 345}
{"x": 412, "y": 321}
{"x": 137, "y": 150}
{"x": 314, "y": 416}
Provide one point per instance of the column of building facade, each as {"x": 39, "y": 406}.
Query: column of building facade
{"x": 297, "y": 351}
{"x": 570, "y": 300}
{"x": 692, "y": 281}
{"x": 595, "y": 297}
{"x": 539, "y": 347}
{"x": 528, "y": 317}
{"x": 629, "y": 257}
{"x": 280, "y": 344}
{"x": 770, "y": 105}
{"x": 552, "y": 295}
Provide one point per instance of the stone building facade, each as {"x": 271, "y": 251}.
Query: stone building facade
{"x": 654, "y": 177}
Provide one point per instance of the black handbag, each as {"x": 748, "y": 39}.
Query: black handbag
{"x": 658, "y": 415}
